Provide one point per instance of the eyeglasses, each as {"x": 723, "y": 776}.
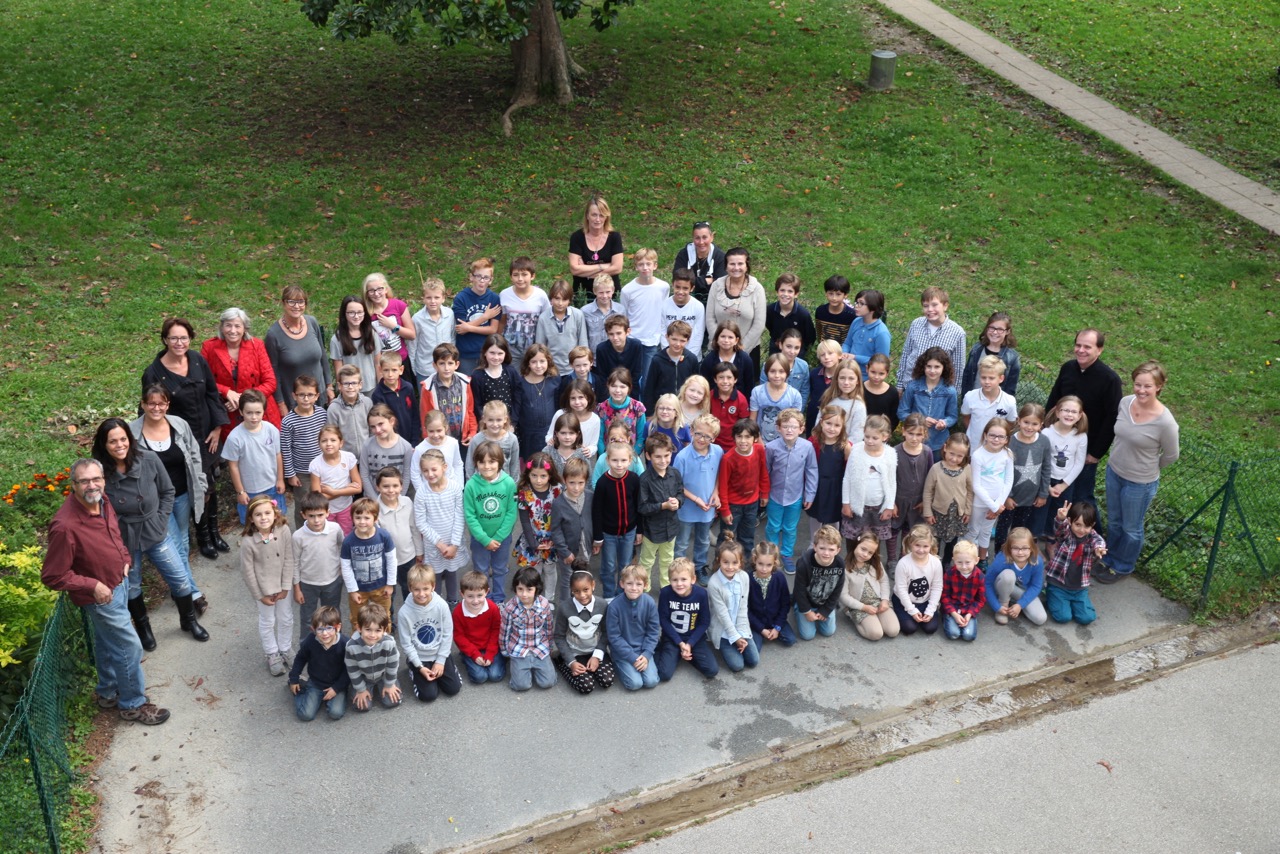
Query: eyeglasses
{"x": 295, "y": 303}
{"x": 355, "y": 314}
{"x": 350, "y": 383}
{"x": 706, "y": 436}
{"x": 174, "y": 339}
{"x": 997, "y": 329}
{"x": 324, "y": 630}
{"x": 157, "y": 404}
{"x": 860, "y": 302}
{"x": 480, "y": 278}
{"x": 89, "y": 481}
{"x": 376, "y": 291}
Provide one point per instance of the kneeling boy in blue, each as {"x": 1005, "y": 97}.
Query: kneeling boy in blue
{"x": 769, "y": 599}
{"x": 321, "y": 653}
{"x": 372, "y": 659}
{"x": 683, "y": 612}
{"x": 424, "y": 628}
{"x": 634, "y": 630}
{"x": 730, "y": 627}
{"x": 1076, "y": 546}
{"x": 963, "y": 593}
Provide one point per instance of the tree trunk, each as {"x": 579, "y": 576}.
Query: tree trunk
{"x": 541, "y": 63}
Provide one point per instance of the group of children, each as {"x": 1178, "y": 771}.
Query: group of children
{"x": 614, "y": 433}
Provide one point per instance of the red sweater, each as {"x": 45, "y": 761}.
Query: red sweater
{"x": 743, "y": 480}
{"x": 477, "y": 637}
{"x": 728, "y": 412}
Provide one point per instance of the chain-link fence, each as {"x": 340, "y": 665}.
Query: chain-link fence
{"x": 35, "y": 769}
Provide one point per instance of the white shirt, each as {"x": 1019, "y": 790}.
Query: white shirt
{"x": 642, "y": 304}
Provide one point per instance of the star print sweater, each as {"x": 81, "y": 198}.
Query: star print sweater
{"x": 1032, "y": 467}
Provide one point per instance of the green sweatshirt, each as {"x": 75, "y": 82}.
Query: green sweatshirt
{"x": 490, "y": 507}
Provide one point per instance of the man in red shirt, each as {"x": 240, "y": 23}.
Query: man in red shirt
{"x": 87, "y": 559}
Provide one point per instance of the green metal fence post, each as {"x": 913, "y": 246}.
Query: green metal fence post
{"x": 47, "y": 809}
{"x": 1228, "y": 493}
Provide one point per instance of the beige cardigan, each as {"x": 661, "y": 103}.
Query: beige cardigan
{"x": 940, "y": 489}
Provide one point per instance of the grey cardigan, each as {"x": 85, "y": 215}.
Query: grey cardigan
{"x": 197, "y": 484}
{"x": 143, "y": 499}
{"x": 569, "y": 527}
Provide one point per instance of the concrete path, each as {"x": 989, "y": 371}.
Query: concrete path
{"x": 1184, "y": 164}
{"x": 234, "y": 769}
{"x": 1191, "y": 764}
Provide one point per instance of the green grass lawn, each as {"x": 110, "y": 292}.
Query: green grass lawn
{"x": 1203, "y": 71}
{"x": 178, "y": 158}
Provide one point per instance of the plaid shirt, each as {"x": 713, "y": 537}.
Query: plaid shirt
{"x": 963, "y": 595}
{"x": 526, "y": 631}
{"x": 1065, "y": 545}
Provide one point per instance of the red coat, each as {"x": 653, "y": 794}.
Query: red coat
{"x": 254, "y": 371}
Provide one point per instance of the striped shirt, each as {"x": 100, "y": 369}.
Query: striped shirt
{"x": 372, "y": 666}
{"x": 439, "y": 518}
{"x": 300, "y": 440}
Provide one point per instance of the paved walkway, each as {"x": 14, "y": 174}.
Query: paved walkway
{"x": 1248, "y": 198}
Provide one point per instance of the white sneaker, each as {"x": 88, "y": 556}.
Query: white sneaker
{"x": 1002, "y": 619}
{"x": 275, "y": 664}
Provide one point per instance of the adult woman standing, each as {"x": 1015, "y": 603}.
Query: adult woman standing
{"x": 171, "y": 439}
{"x": 295, "y": 348}
{"x": 239, "y": 362}
{"x": 595, "y": 248}
{"x": 193, "y": 397}
{"x": 740, "y": 298}
{"x": 391, "y": 321}
{"x": 142, "y": 496}
{"x": 1146, "y": 442}
{"x": 702, "y": 258}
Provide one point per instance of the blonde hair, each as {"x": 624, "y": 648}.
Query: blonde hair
{"x": 964, "y": 547}
{"x": 494, "y": 409}
{"x": 431, "y": 284}
{"x": 991, "y": 364}
{"x": 921, "y": 534}
{"x": 832, "y": 394}
{"x": 791, "y": 414}
{"x": 699, "y": 380}
{"x": 769, "y": 550}
{"x": 672, "y": 401}
{"x": 710, "y": 423}
{"x": 828, "y": 346}
{"x": 1022, "y": 535}
{"x": 422, "y": 574}
{"x": 645, "y": 255}
{"x": 828, "y": 534}
{"x": 832, "y": 411}
{"x": 634, "y": 571}
{"x": 682, "y": 566}
{"x": 620, "y": 446}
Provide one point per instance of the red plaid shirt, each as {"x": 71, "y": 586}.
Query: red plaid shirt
{"x": 1065, "y": 546}
{"x": 963, "y": 595}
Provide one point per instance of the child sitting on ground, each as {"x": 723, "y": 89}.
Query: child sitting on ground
{"x": 580, "y": 636}
{"x": 632, "y": 624}
{"x": 476, "y": 625}
{"x": 768, "y": 598}
{"x": 1017, "y": 573}
{"x": 730, "y": 629}
{"x": 528, "y": 628}
{"x": 1076, "y": 546}
{"x": 322, "y": 655}
{"x": 424, "y": 628}
{"x": 819, "y": 574}
{"x": 372, "y": 659}
{"x": 917, "y": 584}
{"x": 963, "y": 593}
{"x": 684, "y": 612}
{"x": 866, "y": 594}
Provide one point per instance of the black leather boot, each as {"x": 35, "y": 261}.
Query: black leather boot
{"x": 203, "y": 540}
{"x": 211, "y": 519}
{"x": 187, "y": 618}
{"x": 141, "y": 623}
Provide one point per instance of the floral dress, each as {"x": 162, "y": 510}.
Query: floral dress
{"x": 534, "y": 545}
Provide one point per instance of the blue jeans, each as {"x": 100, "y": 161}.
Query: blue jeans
{"x": 647, "y": 352}
{"x": 495, "y": 672}
{"x": 1066, "y": 605}
{"x": 494, "y": 565}
{"x": 615, "y": 554}
{"x": 786, "y": 637}
{"x": 734, "y": 660}
{"x": 117, "y": 652}
{"x": 309, "y": 700}
{"x": 668, "y": 658}
{"x": 952, "y": 629}
{"x": 808, "y": 630}
{"x": 164, "y": 555}
{"x": 180, "y": 533}
{"x": 634, "y": 680}
{"x": 529, "y": 670}
{"x": 781, "y": 526}
{"x": 700, "y": 533}
{"x": 277, "y": 497}
{"x": 1127, "y": 504}
{"x": 743, "y": 519}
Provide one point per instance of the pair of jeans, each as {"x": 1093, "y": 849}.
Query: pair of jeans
{"x": 277, "y": 498}
{"x": 494, "y": 565}
{"x": 736, "y": 661}
{"x": 496, "y": 671}
{"x": 117, "y": 652}
{"x": 743, "y": 519}
{"x": 527, "y": 670}
{"x": 668, "y": 658}
{"x": 1127, "y": 504}
{"x": 781, "y": 525}
{"x": 647, "y": 352}
{"x": 315, "y": 595}
{"x": 786, "y": 637}
{"x": 1066, "y": 605}
{"x": 632, "y": 679}
{"x": 180, "y": 533}
{"x": 164, "y": 555}
{"x": 953, "y": 631}
{"x": 615, "y": 554}
{"x": 309, "y": 700}
{"x": 808, "y": 630}
{"x": 700, "y": 534}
